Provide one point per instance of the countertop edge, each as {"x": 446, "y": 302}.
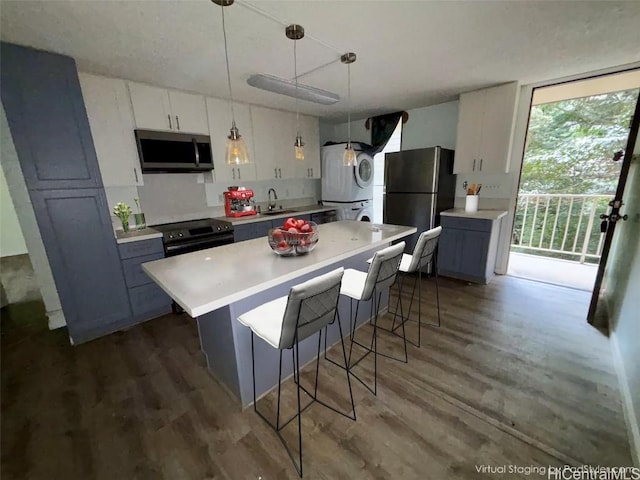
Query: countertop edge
{"x": 480, "y": 214}
{"x": 136, "y": 236}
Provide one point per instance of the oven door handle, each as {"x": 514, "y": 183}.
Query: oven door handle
{"x": 205, "y": 243}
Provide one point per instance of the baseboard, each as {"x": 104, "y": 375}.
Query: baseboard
{"x": 56, "y": 319}
{"x": 630, "y": 417}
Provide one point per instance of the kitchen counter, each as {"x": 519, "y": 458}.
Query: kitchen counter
{"x": 217, "y": 285}
{"x": 304, "y": 210}
{"x": 481, "y": 214}
{"x": 137, "y": 235}
{"x": 203, "y": 281}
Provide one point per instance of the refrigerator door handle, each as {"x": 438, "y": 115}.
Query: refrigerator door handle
{"x": 474, "y": 164}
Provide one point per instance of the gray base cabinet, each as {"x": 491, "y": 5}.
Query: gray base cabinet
{"x": 146, "y": 298}
{"x": 468, "y": 247}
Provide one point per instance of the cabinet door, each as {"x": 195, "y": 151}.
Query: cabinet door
{"x": 497, "y": 128}
{"x": 473, "y": 251}
{"x": 43, "y": 102}
{"x": 78, "y": 238}
{"x": 469, "y": 134}
{"x": 151, "y": 107}
{"x": 274, "y": 135}
{"x": 189, "y": 112}
{"x": 112, "y": 124}
{"x": 449, "y": 250}
{"x": 219, "y": 115}
{"x": 310, "y": 131}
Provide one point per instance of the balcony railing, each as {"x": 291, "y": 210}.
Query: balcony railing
{"x": 562, "y": 226}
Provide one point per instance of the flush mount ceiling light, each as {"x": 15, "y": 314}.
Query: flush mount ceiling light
{"x": 296, "y": 32}
{"x": 349, "y": 156}
{"x": 236, "y": 152}
{"x": 283, "y": 86}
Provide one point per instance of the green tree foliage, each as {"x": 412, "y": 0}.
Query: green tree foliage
{"x": 570, "y": 144}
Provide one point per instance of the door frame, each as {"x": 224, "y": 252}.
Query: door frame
{"x": 521, "y": 128}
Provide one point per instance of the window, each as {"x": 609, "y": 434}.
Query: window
{"x": 393, "y": 145}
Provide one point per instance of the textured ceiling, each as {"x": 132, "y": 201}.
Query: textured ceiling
{"x": 410, "y": 53}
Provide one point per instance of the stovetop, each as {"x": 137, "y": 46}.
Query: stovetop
{"x": 205, "y": 227}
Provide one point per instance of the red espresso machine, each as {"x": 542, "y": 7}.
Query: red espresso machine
{"x": 238, "y": 202}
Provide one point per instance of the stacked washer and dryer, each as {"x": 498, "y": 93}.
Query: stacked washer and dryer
{"x": 348, "y": 189}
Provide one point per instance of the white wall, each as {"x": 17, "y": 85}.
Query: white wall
{"x": 30, "y": 230}
{"x": 11, "y": 238}
{"x": 621, "y": 287}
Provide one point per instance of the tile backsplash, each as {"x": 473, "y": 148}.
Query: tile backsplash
{"x": 178, "y": 197}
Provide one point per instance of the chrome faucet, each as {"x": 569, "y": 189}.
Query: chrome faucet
{"x": 272, "y": 204}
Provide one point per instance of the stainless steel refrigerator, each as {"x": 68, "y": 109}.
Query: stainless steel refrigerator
{"x": 419, "y": 184}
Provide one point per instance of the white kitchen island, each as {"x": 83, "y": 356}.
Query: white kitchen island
{"x": 217, "y": 285}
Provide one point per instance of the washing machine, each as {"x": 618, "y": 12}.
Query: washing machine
{"x": 361, "y": 211}
{"x": 346, "y": 184}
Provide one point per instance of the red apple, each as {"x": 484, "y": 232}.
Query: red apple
{"x": 283, "y": 246}
{"x": 290, "y": 223}
{"x": 306, "y": 228}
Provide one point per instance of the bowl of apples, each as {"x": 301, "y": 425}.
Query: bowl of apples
{"x": 295, "y": 237}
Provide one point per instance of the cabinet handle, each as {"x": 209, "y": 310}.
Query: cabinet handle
{"x": 177, "y": 122}
{"x": 233, "y": 171}
{"x": 239, "y": 176}
{"x": 474, "y": 164}
{"x": 481, "y": 164}
{"x": 170, "y": 125}
{"x": 275, "y": 173}
{"x": 279, "y": 173}
{"x": 312, "y": 171}
{"x": 135, "y": 172}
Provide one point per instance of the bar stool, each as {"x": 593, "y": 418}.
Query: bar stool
{"x": 424, "y": 254}
{"x": 283, "y": 323}
{"x": 369, "y": 286}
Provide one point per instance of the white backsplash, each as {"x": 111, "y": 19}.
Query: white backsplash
{"x": 166, "y": 198}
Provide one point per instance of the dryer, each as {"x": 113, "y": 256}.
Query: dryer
{"x": 346, "y": 184}
{"x": 361, "y": 211}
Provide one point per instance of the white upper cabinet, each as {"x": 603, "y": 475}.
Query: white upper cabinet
{"x": 274, "y": 134}
{"x": 157, "y": 108}
{"x": 112, "y": 124}
{"x": 310, "y": 131}
{"x": 219, "y": 114}
{"x": 273, "y": 139}
{"x": 189, "y": 112}
{"x": 485, "y": 129}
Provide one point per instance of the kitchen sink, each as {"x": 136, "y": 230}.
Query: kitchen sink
{"x": 277, "y": 212}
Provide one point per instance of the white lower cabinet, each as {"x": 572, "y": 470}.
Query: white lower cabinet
{"x": 219, "y": 114}
{"x": 112, "y": 125}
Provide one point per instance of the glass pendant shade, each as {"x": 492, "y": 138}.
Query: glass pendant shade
{"x": 349, "y": 156}
{"x": 236, "y": 152}
{"x": 299, "y": 148}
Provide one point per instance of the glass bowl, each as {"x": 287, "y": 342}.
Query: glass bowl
{"x": 289, "y": 244}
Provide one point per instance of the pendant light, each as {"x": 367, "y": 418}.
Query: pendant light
{"x": 236, "y": 152}
{"x": 349, "y": 156}
{"x": 296, "y": 32}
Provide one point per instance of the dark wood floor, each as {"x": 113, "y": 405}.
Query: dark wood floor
{"x": 513, "y": 377}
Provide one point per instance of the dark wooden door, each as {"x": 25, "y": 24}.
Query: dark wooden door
{"x": 45, "y": 110}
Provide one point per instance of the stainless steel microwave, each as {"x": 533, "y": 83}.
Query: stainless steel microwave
{"x": 173, "y": 152}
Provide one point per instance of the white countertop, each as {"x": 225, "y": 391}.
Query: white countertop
{"x": 305, "y": 210}
{"x": 137, "y": 235}
{"x": 482, "y": 214}
{"x": 206, "y": 280}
